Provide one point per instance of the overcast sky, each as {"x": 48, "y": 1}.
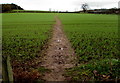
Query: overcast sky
{"x": 62, "y": 5}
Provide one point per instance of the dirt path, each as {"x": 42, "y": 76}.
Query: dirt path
{"x": 59, "y": 55}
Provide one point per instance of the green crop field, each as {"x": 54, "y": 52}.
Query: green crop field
{"x": 94, "y": 38}
{"x": 24, "y": 35}
{"x": 95, "y": 41}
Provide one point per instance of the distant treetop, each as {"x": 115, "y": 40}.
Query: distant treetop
{"x": 10, "y": 7}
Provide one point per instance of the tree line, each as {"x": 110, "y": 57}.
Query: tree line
{"x": 100, "y": 11}
{"x": 10, "y": 7}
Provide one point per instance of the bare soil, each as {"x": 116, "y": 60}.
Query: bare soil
{"x": 59, "y": 55}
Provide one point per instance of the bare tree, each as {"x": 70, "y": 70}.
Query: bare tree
{"x": 84, "y": 7}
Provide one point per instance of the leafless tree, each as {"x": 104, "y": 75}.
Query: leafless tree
{"x": 84, "y": 7}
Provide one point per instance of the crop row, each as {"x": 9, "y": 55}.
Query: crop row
{"x": 95, "y": 41}
{"x": 24, "y": 35}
